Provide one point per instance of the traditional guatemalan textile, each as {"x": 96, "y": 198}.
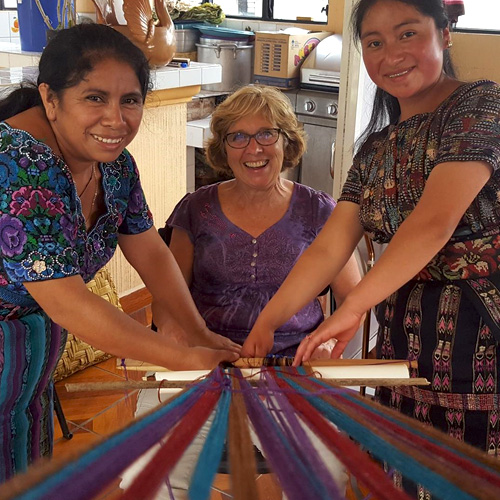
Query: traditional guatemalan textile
{"x": 42, "y": 237}
{"x": 29, "y": 350}
{"x": 448, "y": 317}
{"x": 235, "y": 275}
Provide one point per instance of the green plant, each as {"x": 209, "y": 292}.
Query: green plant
{"x": 66, "y": 14}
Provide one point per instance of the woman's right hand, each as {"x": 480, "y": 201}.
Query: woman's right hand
{"x": 342, "y": 325}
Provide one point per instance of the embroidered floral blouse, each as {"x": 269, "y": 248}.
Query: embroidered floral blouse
{"x": 390, "y": 171}
{"x": 42, "y": 228}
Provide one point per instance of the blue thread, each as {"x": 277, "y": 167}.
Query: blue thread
{"x": 211, "y": 454}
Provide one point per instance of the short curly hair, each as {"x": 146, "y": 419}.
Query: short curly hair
{"x": 254, "y": 100}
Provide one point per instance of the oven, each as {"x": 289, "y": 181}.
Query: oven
{"x": 317, "y": 111}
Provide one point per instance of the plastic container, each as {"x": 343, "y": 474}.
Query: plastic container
{"x": 226, "y": 33}
{"x": 32, "y": 28}
{"x": 235, "y": 57}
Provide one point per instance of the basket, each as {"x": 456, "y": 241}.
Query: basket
{"x": 77, "y": 354}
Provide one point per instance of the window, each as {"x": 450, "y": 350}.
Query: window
{"x": 481, "y": 15}
{"x": 9, "y": 4}
{"x": 279, "y": 10}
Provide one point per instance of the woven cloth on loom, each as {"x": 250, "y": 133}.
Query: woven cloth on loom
{"x": 77, "y": 354}
{"x": 447, "y": 468}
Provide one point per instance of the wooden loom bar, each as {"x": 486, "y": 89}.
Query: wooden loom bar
{"x": 179, "y": 384}
{"x": 131, "y": 364}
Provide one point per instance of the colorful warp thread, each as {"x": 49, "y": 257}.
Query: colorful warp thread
{"x": 448, "y": 469}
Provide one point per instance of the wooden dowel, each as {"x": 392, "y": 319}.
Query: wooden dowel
{"x": 358, "y": 362}
{"x": 127, "y": 385}
{"x": 131, "y": 364}
{"x": 180, "y": 384}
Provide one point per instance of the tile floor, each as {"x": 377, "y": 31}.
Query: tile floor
{"x": 93, "y": 415}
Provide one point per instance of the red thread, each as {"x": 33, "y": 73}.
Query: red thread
{"x": 153, "y": 475}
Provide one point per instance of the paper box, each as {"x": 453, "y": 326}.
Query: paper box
{"x": 278, "y": 56}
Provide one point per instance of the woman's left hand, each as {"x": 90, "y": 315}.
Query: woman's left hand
{"x": 258, "y": 344}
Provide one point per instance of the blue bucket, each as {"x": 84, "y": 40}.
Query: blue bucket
{"x": 32, "y": 28}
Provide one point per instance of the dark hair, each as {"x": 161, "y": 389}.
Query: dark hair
{"x": 69, "y": 56}
{"x": 386, "y": 107}
{"x": 247, "y": 102}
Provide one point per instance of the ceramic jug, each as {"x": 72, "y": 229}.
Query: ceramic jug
{"x": 155, "y": 38}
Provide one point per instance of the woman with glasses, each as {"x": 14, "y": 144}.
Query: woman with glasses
{"x": 235, "y": 241}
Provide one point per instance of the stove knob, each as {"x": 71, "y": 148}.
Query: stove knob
{"x": 309, "y": 106}
{"x": 332, "y": 109}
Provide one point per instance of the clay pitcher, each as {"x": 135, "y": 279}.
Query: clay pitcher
{"x": 155, "y": 39}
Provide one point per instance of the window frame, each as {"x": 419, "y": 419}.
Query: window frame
{"x": 267, "y": 15}
{"x": 476, "y": 31}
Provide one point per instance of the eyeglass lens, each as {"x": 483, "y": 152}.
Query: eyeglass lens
{"x": 263, "y": 137}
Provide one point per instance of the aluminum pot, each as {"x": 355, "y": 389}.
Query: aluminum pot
{"x": 235, "y": 57}
{"x": 186, "y": 39}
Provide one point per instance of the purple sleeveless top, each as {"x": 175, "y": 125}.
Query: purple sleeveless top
{"x": 235, "y": 275}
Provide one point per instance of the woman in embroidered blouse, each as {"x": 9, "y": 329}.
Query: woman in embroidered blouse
{"x": 236, "y": 241}
{"x": 429, "y": 185}
{"x": 69, "y": 193}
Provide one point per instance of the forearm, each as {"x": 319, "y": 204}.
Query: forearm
{"x": 102, "y": 325}
{"x": 316, "y": 268}
{"x": 157, "y": 267}
{"x": 416, "y": 242}
{"x": 172, "y": 298}
{"x": 450, "y": 189}
{"x": 345, "y": 281}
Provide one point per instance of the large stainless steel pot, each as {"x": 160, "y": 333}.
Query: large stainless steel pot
{"x": 235, "y": 57}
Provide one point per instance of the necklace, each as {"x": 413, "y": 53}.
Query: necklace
{"x": 94, "y": 197}
{"x": 92, "y": 174}
{"x": 96, "y": 190}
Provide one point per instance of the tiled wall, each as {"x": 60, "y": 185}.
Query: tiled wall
{"x": 9, "y": 27}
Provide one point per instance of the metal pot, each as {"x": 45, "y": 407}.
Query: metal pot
{"x": 186, "y": 39}
{"x": 235, "y": 57}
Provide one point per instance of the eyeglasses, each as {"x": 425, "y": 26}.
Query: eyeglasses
{"x": 240, "y": 140}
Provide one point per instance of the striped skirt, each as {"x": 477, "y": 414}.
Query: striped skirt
{"x": 29, "y": 350}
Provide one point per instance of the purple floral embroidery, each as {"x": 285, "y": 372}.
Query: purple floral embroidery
{"x": 33, "y": 151}
{"x": 136, "y": 199}
{"x": 68, "y": 228}
{"x": 12, "y": 236}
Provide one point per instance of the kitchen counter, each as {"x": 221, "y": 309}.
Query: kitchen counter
{"x": 165, "y": 78}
